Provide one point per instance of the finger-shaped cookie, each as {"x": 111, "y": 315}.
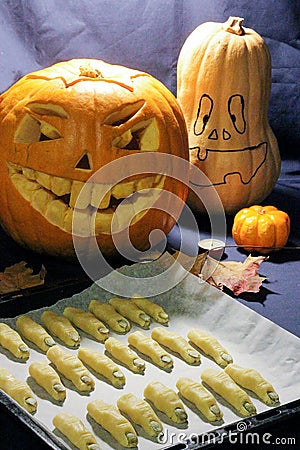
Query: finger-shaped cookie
{"x": 61, "y": 327}
{"x": 177, "y": 344}
{"x": 141, "y": 413}
{"x": 211, "y": 346}
{"x": 223, "y": 385}
{"x": 196, "y": 393}
{"x": 103, "y": 365}
{"x": 129, "y": 310}
{"x": 149, "y": 347}
{"x": 34, "y": 332}
{"x": 47, "y": 378}
{"x": 120, "y": 351}
{"x": 12, "y": 341}
{"x": 166, "y": 400}
{"x": 253, "y": 381}
{"x": 71, "y": 367}
{"x": 107, "y": 313}
{"x": 87, "y": 322}
{"x": 109, "y": 417}
{"x": 75, "y": 430}
{"x": 18, "y": 390}
{"x": 152, "y": 309}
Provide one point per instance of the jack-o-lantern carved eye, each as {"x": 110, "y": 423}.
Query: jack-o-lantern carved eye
{"x": 32, "y": 130}
{"x": 48, "y": 109}
{"x": 236, "y": 106}
{"x": 142, "y": 135}
{"x": 122, "y": 116}
{"x": 203, "y": 114}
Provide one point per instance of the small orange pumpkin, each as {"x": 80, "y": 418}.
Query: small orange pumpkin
{"x": 261, "y": 228}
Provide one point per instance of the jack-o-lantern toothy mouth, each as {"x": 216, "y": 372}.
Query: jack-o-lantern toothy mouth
{"x": 58, "y": 199}
{"x": 257, "y": 154}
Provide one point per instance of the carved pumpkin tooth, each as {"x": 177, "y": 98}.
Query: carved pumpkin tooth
{"x": 29, "y": 173}
{"x": 123, "y": 190}
{"x": 140, "y": 206}
{"x": 81, "y": 224}
{"x": 100, "y": 197}
{"x": 44, "y": 179}
{"x": 81, "y": 192}
{"x": 159, "y": 181}
{"x": 60, "y": 186}
{"x": 68, "y": 219}
{"x": 24, "y": 186}
{"x": 142, "y": 202}
{"x": 14, "y": 168}
{"x": 40, "y": 200}
{"x": 124, "y": 213}
{"x": 145, "y": 183}
{"x": 103, "y": 222}
{"x": 55, "y": 212}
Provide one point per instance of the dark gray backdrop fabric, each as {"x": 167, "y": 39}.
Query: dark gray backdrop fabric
{"x": 147, "y": 35}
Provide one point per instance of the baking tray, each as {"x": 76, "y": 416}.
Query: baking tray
{"x": 251, "y": 339}
{"x": 275, "y": 420}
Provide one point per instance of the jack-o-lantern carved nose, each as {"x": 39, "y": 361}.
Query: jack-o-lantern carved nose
{"x": 84, "y": 162}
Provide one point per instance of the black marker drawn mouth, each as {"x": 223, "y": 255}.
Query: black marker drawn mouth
{"x": 245, "y": 172}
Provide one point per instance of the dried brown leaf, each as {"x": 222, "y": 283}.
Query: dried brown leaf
{"x": 239, "y": 277}
{"x": 19, "y": 276}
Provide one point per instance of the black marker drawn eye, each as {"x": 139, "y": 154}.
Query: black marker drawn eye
{"x": 236, "y": 106}
{"x": 203, "y": 114}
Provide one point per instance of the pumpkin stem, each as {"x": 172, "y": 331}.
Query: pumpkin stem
{"x": 234, "y": 25}
{"x": 89, "y": 71}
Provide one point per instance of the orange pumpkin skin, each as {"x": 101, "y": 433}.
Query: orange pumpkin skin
{"x": 58, "y": 127}
{"x": 264, "y": 226}
{"x": 223, "y": 88}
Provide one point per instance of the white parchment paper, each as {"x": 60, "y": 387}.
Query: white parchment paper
{"x": 252, "y": 340}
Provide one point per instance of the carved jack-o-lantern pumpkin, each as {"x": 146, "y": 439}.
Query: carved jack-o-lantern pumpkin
{"x": 58, "y": 127}
{"x": 224, "y": 78}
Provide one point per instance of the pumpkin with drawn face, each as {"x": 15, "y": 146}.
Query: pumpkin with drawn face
{"x": 61, "y": 125}
{"x": 224, "y": 79}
